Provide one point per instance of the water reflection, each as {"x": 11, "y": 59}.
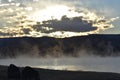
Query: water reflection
{"x": 108, "y": 64}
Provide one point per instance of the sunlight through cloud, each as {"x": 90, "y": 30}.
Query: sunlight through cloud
{"x": 58, "y": 21}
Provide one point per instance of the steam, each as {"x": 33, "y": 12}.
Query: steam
{"x": 58, "y": 21}
{"x": 108, "y": 64}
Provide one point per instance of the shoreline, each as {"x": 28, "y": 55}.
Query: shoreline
{"x": 48, "y": 74}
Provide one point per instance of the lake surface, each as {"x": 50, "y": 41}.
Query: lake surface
{"x": 107, "y": 64}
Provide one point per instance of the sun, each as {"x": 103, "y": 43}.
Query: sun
{"x": 52, "y": 12}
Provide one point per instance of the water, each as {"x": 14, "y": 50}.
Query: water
{"x": 108, "y": 64}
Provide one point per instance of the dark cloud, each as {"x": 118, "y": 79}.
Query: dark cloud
{"x": 75, "y": 24}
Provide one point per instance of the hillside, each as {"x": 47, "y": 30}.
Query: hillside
{"x": 101, "y": 45}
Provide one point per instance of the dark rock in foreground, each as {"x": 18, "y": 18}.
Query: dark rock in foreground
{"x": 46, "y": 74}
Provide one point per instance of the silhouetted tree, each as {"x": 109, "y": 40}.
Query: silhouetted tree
{"x": 13, "y": 72}
{"x": 29, "y": 73}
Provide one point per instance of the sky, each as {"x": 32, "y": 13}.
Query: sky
{"x": 58, "y": 18}
{"x": 109, "y": 8}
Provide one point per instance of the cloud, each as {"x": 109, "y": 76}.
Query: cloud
{"x": 75, "y": 24}
{"x": 59, "y": 21}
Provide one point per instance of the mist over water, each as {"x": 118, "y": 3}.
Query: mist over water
{"x": 75, "y": 53}
{"x": 102, "y": 64}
